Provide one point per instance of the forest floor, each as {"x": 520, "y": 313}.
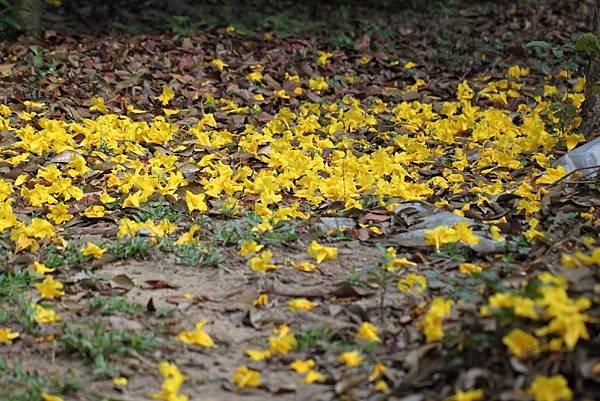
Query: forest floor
{"x": 358, "y": 205}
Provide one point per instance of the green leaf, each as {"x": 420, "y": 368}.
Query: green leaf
{"x": 540, "y": 43}
{"x": 587, "y": 42}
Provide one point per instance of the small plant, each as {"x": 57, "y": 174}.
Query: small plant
{"x": 188, "y": 254}
{"x": 191, "y": 255}
{"x": 13, "y": 283}
{"x": 182, "y": 25}
{"x": 135, "y": 247}
{"x": 234, "y": 232}
{"x": 158, "y": 210}
{"x": 103, "y": 346}
{"x": 58, "y": 258}
{"x": 20, "y": 385}
{"x": 114, "y": 305}
{"x": 7, "y": 12}
{"x": 311, "y": 337}
{"x": 40, "y": 67}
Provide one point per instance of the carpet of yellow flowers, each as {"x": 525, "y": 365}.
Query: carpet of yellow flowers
{"x": 228, "y": 221}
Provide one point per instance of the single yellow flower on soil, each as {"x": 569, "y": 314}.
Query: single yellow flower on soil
{"x": 44, "y": 315}
{"x": 172, "y": 382}
{"x": 301, "y": 366}
{"x": 166, "y": 95}
{"x": 368, "y": 332}
{"x": 432, "y": 322}
{"x": 467, "y": 268}
{"x": 261, "y": 300}
{"x": 521, "y": 343}
{"x": 244, "y": 377}
{"x": 195, "y": 202}
{"x": 120, "y": 381}
{"x": 93, "y": 250}
{"x": 261, "y": 263}
{"x": 219, "y": 64}
{"x": 305, "y": 266}
{"x": 258, "y": 354}
{"x": 555, "y": 388}
{"x": 50, "y": 288}
{"x": 7, "y": 335}
{"x": 250, "y": 246}
{"x": 313, "y": 376}
{"x": 322, "y": 253}
{"x": 470, "y": 395}
{"x": 351, "y": 358}
{"x": 41, "y": 268}
{"x": 301, "y": 304}
{"x": 197, "y": 337}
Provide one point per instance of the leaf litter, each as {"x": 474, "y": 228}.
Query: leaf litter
{"x": 244, "y": 216}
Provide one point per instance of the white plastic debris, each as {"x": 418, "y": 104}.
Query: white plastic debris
{"x": 415, "y": 238}
{"x": 584, "y": 157}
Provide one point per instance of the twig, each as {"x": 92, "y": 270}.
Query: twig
{"x": 573, "y": 172}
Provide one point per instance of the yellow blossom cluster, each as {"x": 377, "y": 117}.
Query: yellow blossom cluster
{"x": 300, "y": 151}
{"x": 565, "y": 316}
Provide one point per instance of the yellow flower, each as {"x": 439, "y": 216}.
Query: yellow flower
{"x": 521, "y": 343}
{"x": 195, "y": 202}
{"x": 7, "y": 335}
{"x": 516, "y": 72}
{"x": 318, "y": 84}
{"x": 301, "y": 366}
{"x": 283, "y": 342}
{"x": 470, "y": 395}
{"x": 98, "y": 105}
{"x": 323, "y": 58}
{"x": 244, "y": 377}
{"x": 261, "y": 300}
{"x": 555, "y": 388}
{"x": 322, "y": 253}
{"x": 410, "y": 65}
{"x": 172, "y": 382}
{"x": 313, "y": 376}
{"x": 351, "y": 358}
{"x": 49, "y": 288}
{"x": 382, "y": 386}
{"x": 188, "y": 236}
{"x": 261, "y": 263}
{"x": 432, "y": 322}
{"x": 166, "y": 95}
{"x": 301, "y": 304}
{"x": 377, "y": 371}
{"x": 523, "y": 307}
{"x": 120, "y": 381}
{"x": 552, "y": 175}
{"x": 305, "y": 266}
{"x": 41, "y": 268}
{"x": 258, "y": 354}
{"x": 171, "y": 112}
{"x": 219, "y": 64}
{"x": 413, "y": 282}
{"x": 250, "y": 246}
{"x": 464, "y": 233}
{"x": 439, "y": 236}
{"x": 368, "y": 332}
{"x": 466, "y": 268}
{"x": 197, "y": 337}
{"x": 93, "y": 250}
{"x": 45, "y": 316}
{"x": 255, "y": 76}
{"x": 50, "y": 397}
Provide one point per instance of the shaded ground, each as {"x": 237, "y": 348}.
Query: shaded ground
{"x": 389, "y": 119}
